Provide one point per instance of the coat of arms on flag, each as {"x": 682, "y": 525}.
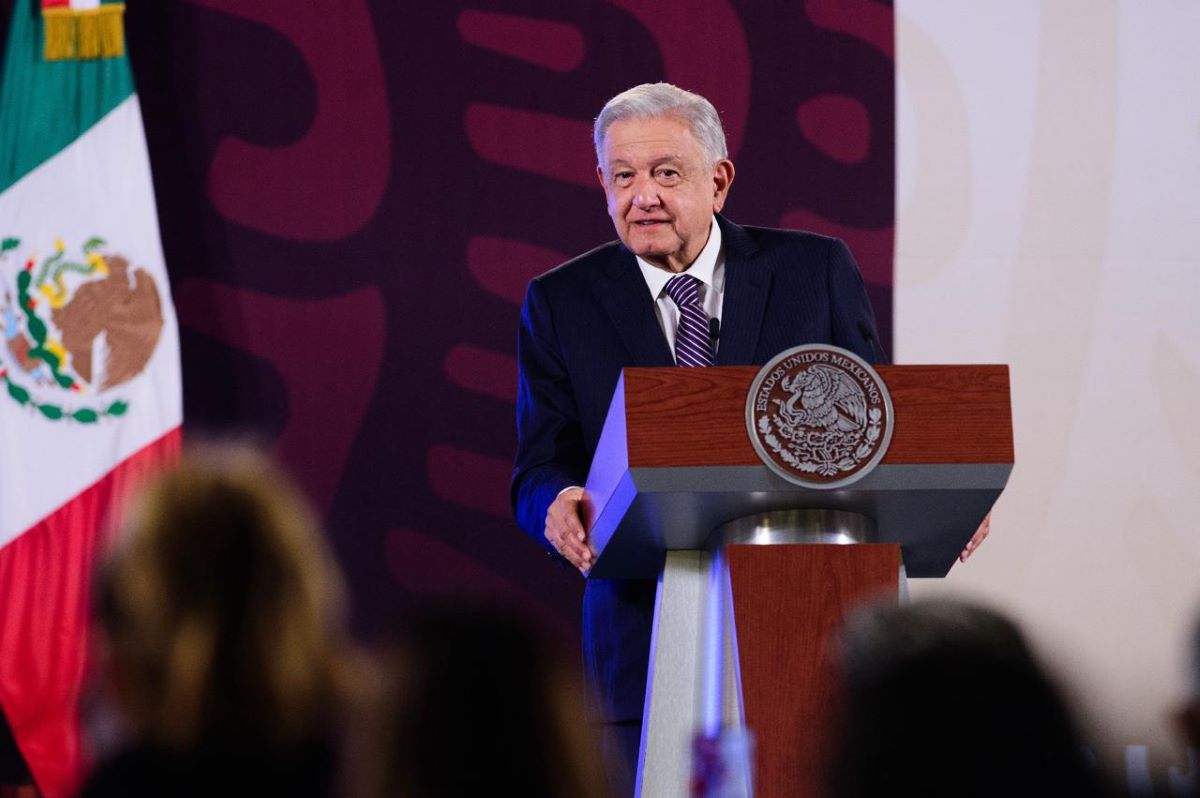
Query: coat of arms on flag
{"x": 75, "y": 329}
{"x": 90, "y": 397}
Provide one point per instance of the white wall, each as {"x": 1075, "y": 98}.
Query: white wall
{"x": 1049, "y": 217}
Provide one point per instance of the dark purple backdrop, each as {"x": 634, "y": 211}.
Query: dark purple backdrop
{"x": 353, "y": 195}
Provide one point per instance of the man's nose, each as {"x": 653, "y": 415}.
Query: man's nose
{"x": 645, "y": 193}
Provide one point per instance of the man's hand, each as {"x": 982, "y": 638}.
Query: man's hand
{"x": 565, "y": 530}
{"x": 977, "y": 538}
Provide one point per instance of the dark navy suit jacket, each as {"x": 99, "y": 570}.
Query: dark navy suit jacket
{"x": 587, "y": 319}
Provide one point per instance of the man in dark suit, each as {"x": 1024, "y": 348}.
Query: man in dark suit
{"x": 748, "y": 293}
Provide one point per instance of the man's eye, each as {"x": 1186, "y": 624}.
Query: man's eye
{"x": 667, "y": 175}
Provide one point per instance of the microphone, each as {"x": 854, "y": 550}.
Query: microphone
{"x": 714, "y": 333}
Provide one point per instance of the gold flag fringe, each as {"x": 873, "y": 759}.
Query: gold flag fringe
{"x": 85, "y": 34}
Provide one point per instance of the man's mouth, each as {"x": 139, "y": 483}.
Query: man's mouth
{"x": 650, "y": 222}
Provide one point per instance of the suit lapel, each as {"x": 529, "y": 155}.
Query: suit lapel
{"x": 622, "y": 291}
{"x": 747, "y": 285}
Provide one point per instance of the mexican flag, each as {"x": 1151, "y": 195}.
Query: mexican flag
{"x": 90, "y": 398}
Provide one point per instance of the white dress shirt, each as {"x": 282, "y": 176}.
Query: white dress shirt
{"x": 708, "y": 268}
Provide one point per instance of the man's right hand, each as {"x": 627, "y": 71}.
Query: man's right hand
{"x": 564, "y": 529}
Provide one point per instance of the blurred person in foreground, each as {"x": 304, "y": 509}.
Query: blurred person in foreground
{"x": 945, "y": 698}
{"x": 474, "y": 701}
{"x": 1188, "y": 716}
{"x": 220, "y": 633}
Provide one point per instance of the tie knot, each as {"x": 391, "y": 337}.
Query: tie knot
{"x": 684, "y": 289}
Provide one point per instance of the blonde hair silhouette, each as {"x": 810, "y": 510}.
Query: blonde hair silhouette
{"x": 222, "y": 609}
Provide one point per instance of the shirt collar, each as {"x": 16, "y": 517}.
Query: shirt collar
{"x": 703, "y": 268}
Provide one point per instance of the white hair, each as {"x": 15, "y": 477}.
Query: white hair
{"x": 652, "y": 100}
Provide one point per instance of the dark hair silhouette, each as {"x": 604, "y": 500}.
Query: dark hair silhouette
{"x": 476, "y": 702}
{"x": 944, "y": 698}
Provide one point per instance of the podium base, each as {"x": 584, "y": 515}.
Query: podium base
{"x": 740, "y": 638}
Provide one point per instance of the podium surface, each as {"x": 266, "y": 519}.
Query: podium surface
{"x": 658, "y": 484}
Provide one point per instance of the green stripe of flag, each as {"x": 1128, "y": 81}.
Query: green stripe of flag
{"x": 44, "y": 106}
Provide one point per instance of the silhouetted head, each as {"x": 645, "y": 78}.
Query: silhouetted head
{"x": 944, "y": 698}
{"x": 1188, "y": 716}
{"x": 475, "y": 701}
{"x": 221, "y": 609}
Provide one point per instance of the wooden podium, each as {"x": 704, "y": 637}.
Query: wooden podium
{"x": 741, "y": 628}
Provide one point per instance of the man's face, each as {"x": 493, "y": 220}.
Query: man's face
{"x": 661, "y": 189}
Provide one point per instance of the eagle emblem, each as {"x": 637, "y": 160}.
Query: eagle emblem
{"x": 823, "y": 397}
{"x": 819, "y": 416}
{"x": 75, "y": 327}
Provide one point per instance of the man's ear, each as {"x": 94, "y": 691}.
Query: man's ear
{"x": 600, "y": 177}
{"x": 722, "y": 179}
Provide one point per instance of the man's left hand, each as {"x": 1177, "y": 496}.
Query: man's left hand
{"x": 977, "y": 538}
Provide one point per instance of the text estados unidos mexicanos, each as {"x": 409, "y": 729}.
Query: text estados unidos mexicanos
{"x": 805, "y": 358}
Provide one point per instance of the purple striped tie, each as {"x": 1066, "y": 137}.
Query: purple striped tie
{"x": 692, "y": 345}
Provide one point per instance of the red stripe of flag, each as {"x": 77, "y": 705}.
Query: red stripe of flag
{"x": 45, "y": 587}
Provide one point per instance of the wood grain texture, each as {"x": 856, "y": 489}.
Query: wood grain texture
{"x": 789, "y": 601}
{"x": 696, "y": 417}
